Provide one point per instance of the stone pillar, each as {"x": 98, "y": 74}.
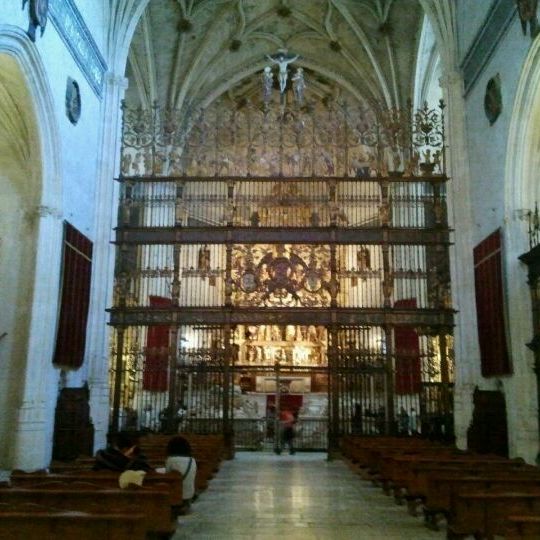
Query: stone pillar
{"x": 32, "y": 439}
{"x": 521, "y": 389}
{"x": 106, "y": 204}
{"x": 467, "y": 350}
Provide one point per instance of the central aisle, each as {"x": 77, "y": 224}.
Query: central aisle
{"x": 300, "y": 497}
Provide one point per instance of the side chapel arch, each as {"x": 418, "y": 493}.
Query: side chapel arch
{"x": 30, "y": 207}
{"x": 522, "y": 191}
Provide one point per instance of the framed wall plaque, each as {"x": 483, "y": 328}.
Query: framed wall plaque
{"x": 73, "y": 101}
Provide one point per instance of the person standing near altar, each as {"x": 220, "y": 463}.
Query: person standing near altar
{"x": 288, "y": 421}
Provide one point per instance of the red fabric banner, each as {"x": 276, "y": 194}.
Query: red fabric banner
{"x": 75, "y": 299}
{"x": 408, "y": 367}
{"x": 488, "y": 282}
{"x": 156, "y": 365}
{"x": 287, "y": 402}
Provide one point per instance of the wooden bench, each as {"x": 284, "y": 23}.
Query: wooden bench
{"x": 91, "y": 499}
{"x": 522, "y": 528}
{"x": 205, "y": 471}
{"x": 207, "y": 450}
{"x": 19, "y": 524}
{"x": 109, "y": 479}
{"x": 204, "y": 447}
{"x": 485, "y": 514}
{"x": 396, "y": 466}
{"x": 412, "y": 481}
{"x": 366, "y": 450}
{"x": 442, "y": 488}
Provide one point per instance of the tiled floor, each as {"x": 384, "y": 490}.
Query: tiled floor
{"x": 300, "y": 497}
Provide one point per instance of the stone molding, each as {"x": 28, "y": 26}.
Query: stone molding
{"x": 486, "y": 41}
{"x": 48, "y": 211}
{"x": 116, "y": 80}
{"x": 451, "y": 78}
{"x": 75, "y": 34}
{"x": 31, "y": 414}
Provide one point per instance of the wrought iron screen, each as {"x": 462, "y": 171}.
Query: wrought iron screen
{"x": 377, "y": 370}
{"x": 298, "y": 255}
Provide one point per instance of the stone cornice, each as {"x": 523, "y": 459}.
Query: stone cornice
{"x": 72, "y": 29}
{"x": 488, "y": 37}
{"x": 48, "y": 211}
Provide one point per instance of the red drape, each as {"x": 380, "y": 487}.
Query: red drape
{"x": 156, "y": 365}
{"x": 490, "y": 306}
{"x": 75, "y": 299}
{"x": 408, "y": 373}
{"x": 289, "y": 402}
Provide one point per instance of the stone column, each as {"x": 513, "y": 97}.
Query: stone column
{"x": 32, "y": 439}
{"x": 106, "y": 203}
{"x": 467, "y": 351}
{"x": 520, "y": 389}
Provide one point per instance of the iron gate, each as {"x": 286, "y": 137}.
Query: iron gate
{"x": 309, "y": 240}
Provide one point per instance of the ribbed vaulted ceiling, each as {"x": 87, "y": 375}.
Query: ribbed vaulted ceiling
{"x": 186, "y": 53}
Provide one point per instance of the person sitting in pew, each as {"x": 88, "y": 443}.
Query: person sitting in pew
{"x": 179, "y": 459}
{"x": 122, "y": 455}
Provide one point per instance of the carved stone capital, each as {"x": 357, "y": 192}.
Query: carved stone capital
{"x": 113, "y": 79}
{"x": 521, "y": 214}
{"x": 451, "y": 78}
{"x": 48, "y": 211}
{"x": 31, "y": 413}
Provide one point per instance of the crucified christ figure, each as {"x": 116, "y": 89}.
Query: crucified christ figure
{"x": 282, "y": 59}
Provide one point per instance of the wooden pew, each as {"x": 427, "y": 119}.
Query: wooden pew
{"x": 208, "y": 451}
{"x": 204, "y": 472}
{"x": 372, "y": 458}
{"x": 485, "y": 514}
{"x": 397, "y": 467}
{"x": 107, "y": 479}
{"x": 522, "y": 528}
{"x": 445, "y": 485}
{"x": 368, "y": 453}
{"x": 208, "y": 448}
{"x": 152, "y": 504}
{"x": 412, "y": 479}
{"x": 18, "y": 523}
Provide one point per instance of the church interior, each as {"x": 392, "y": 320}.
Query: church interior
{"x": 231, "y": 218}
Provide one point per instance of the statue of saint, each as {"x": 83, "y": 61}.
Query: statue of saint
{"x": 299, "y": 85}
{"x": 203, "y": 263}
{"x": 268, "y": 83}
{"x": 282, "y": 59}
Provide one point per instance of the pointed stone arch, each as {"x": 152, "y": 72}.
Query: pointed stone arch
{"x": 521, "y": 186}
{"x": 522, "y": 191}
{"x": 428, "y": 68}
{"x": 31, "y": 231}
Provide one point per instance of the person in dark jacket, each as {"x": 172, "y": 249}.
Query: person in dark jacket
{"x": 122, "y": 455}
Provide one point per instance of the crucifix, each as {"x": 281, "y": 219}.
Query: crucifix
{"x": 282, "y": 59}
